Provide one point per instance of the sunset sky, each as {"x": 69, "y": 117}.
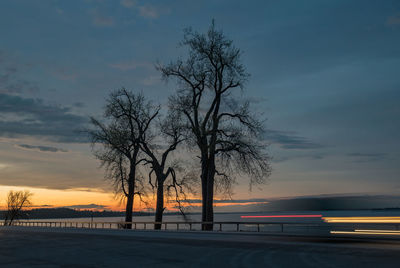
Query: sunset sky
{"x": 325, "y": 73}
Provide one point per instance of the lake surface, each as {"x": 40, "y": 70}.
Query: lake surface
{"x": 305, "y": 224}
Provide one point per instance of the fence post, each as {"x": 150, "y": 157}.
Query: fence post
{"x": 282, "y": 227}
{"x": 237, "y": 227}
{"x": 220, "y": 226}
{"x": 258, "y": 227}
{"x": 190, "y": 226}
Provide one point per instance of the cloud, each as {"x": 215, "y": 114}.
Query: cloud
{"x": 42, "y": 148}
{"x": 149, "y": 12}
{"x": 89, "y": 206}
{"x": 12, "y": 83}
{"x": 288, "y": 140}
{"x": 32, "y": 117}
{"x": 151, "y": 80}
{"x": 59, "y": 10}
{"x": 367, "y": 157}
{"x": 256, "y": 100}
{"x": 393, "y": 20}
{"x": 128, "y": 3}
{"x": 229, "y": 201}
{"x": 129, "y": 65}
{"x": 78, "y": 104}
{"x": 3, "y": 166}
{"x": 63, "y": 74}
{"x": 101, "y": 20}
{"x": 145, "y": 11}
{"x": 278, "y": 159}
{"x": 39, "y": 206}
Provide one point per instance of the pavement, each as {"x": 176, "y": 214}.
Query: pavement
{"x": 69, "y": 247}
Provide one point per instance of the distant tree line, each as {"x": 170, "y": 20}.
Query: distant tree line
{"x": 141, "y": 145}
{"x": 56, "y": 213}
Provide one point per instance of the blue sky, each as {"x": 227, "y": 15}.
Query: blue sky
{"x": 325, "y": 74}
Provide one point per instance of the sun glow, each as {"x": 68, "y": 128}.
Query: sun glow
{"x": 84, "y": 199}
{"x": 44, "y": 198}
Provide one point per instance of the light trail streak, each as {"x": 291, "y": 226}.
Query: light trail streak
{"x": 365, "y": 233}
{"x": 362, "y": 219}
{"x": 380, "y": 231}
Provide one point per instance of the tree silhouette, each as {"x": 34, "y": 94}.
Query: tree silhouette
{"x": 158, "y": 154}
{"x": 16, "y": 201}
{"x": 220, "y": 124}
{"x": 126, "y": 120}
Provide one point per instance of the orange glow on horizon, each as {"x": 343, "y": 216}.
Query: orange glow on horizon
{"x": 50, "y": 198}
{"x": 47, "y": 198}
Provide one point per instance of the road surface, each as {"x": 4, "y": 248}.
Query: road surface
{"x": 57, "y": 247}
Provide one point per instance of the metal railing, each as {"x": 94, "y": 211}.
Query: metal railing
{"x": 189, "y": 226}
{"x": 265, "y": 227}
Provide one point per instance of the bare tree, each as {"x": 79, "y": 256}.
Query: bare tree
{"x": 126, "y": 120}
{"x": 221, "y": 125}
{"x": 160, "y": 167}
{"x": 16, "y": 201}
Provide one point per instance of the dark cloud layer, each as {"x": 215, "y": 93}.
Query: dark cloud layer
{"x": 333, "y": 203}
{"x": 289, "y": 140}
{"x": 42, "y": 148}
{"x": 233, "y": 201}
{"x": 33, "y": 117}
{"x": 11, "y": 77}
{"x": 367, "y": 157}
{"x": 89, "y": 206}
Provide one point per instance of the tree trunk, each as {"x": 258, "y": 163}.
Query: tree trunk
{"x": 204, "y": 171}
{"x": 131, "y": 192}
{"x": 129, "y": 211}
{"x": 210, "y": 195}
{"x": 211, "y": 166}
{"x": 160, "y": 205}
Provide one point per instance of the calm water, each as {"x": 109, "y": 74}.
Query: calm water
{"x": 232, "y": 217}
